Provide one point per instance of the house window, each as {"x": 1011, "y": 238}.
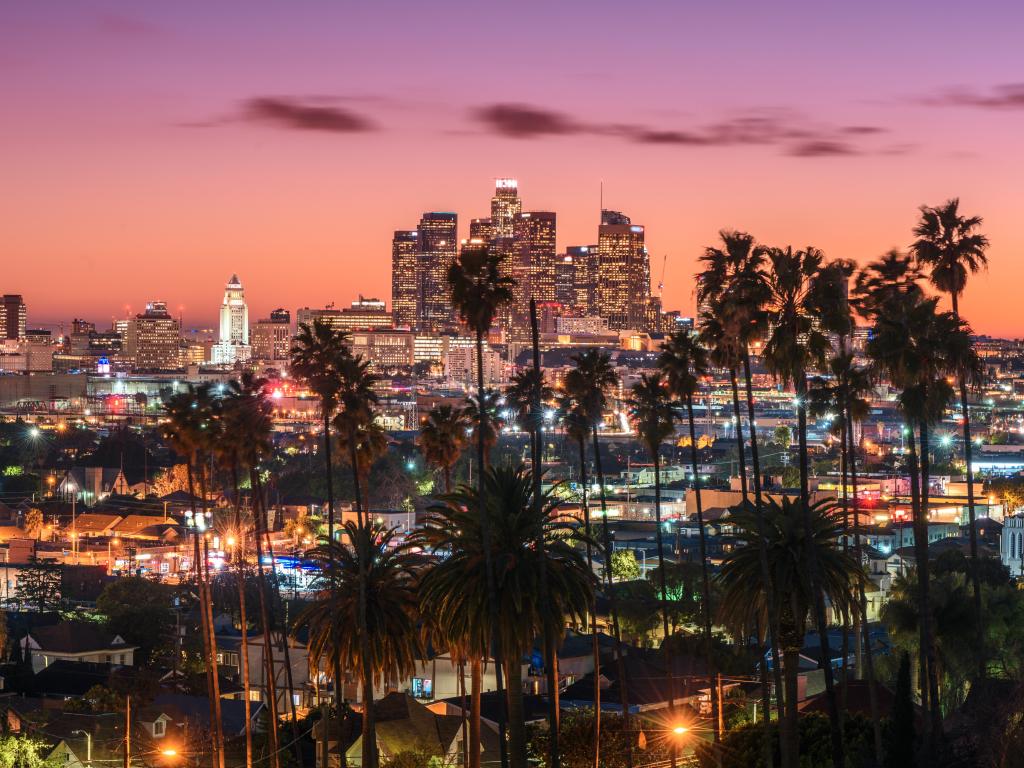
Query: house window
{"x": 159, "y": 728}
{"x": 422, "y": 688}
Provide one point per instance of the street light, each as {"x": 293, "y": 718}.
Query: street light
{"x": 88, "y": 747}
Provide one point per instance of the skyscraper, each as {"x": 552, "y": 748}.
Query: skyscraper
{"x": 624, "y": 273}
{"x": 585, "y": 260}
{"x": 532, "y": 266}
{"x": 438, "y": 242}
{"x": 404, "y": 278}
{"x": 271, "y": 338}
{"x": 154, "y": 339}
{"x": 13, "y": 317}
{"x": 505, "y": 207}
{"x": 233, "y": 341}
{"x": 565, "y": 281}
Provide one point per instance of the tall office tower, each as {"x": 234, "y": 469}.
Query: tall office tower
{"x": 565, "y": 281}
{"x": 481, "y": 229}
{"x": 154, "y": 339}
{"x": 505, "y": 207}
{"x": 404, "y": 279}
{"x": 532, "y": 266}
{"x": 438, "y": 242}
{"x": 624, "y": 273}
{"x": 585, "y": 268}
{"x": 13, "y": 317}
{"x": 233, "y": 342}
{"x": 271, "y": 338}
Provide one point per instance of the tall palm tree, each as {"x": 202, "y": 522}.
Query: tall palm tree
{"x": 917, "y": 348}
{"x": 684, "y": 362}
{"x": 315, "y": 354}
{"x": 790, "y": 533}
{"x": 654, "y": 421}
{"x": 731, "y": 292}
{"x": 951, "y": 247}
{"x": 356, "y": 400}
{"x": 803, "y": 293}
{"x": 192, "y": 419}
{"x": 526, "y": 397}
{"x": 371, "y": 579}
{"x": 479, "y": 289}
{"x": 575, "y": 420}
{"x": 443, "y": 438}
{"x": 592, "y": 380}
{"x": 485, "y": 420}
{"x": 526, "y": 539}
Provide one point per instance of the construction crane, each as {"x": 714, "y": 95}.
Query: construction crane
{"x": 661, "y": 283}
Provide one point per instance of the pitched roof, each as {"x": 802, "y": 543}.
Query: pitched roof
{"x": 76, "y": 637}
{"x": 92, "y": 522}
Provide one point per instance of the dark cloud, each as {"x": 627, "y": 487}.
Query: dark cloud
{"x": 303, "y": 115}
{"x": 862, "y": 130}
{"x": 521, "y": 121}
{"x": 821, "y": 148}
{"x": 652, "y": 136}
{"x": 1008, "y": 96}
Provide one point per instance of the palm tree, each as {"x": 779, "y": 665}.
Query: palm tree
{"x": 443, "y": 438}
{"x": 526, "y": 397}
{"x": 950, "y": 246}
{"x": 684, "y": 361}
{"x": 315, "y": 354}
{"x": 192, "y": 424}
{"x": 485, "y": 420}
{"x": 804, "y": 292}
{"x": 526, "y": 540}
{"x": 790, "y": 534}
{"x": 479, "y": 290}
{"x": 654, "y": 421}
{"x": 370, "y": 580}
{"x": 592, "y": 380}
{"x": 354, "y": 422}
{"x": 917, "y": 348}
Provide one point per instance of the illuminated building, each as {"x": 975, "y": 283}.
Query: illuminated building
{"x": 271, "y": 338}
{"x": 153, "y": 339}
{"x": 565, "y": 280}
{"x": 624, "y": 273}
{"x": 585, "y": 271}
{"x": 363, "y": 315}
{"x": 532, "y": 266}
{"x": 404, "y": 282}
{"x": 233, "y": 341}
{"x": 438, "y": 243}
{"x": 481, "y": 229}
{"x": 13, "y": 316}
{"x": 505, "y": 207}
{"x": 385, "y": 348}
{"x": 329, "y": 316}
{"x": 460, "y": 366}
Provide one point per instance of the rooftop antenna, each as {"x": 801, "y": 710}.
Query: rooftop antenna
{"x": 661, "y": 283}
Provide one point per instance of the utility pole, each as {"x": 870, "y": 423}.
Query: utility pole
{"x": 127, "y": 731}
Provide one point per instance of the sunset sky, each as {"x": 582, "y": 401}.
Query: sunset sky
{"x": 150, "y": 149}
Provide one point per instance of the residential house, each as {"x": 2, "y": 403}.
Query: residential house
{"x": 76, "y": 641}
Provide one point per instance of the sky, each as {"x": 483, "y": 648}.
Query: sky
{"x": 150, "y": 150}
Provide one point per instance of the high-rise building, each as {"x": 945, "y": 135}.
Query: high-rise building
{"x": 565, "y": 281}
{"x": 505, "y": 207}
{"x": 405, "y": 278}
{"x": 438, "y": 243}
{"x": 585, "y": 260}
{"x": 624, "y": 273}
{"x": 271, "y": 338}
{"x": 364, "y": 314}
{"x": 233, "y": 342}
{"x": 13, "y": 316}
{"x": 532, "y": 266}
{"x": 481, "y": 229}
{"x": 154, "y": 339}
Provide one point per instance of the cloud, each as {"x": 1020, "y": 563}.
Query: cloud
{"x": 303, "y": 115}
{"x": 521, "y": 121}
{"x": 821, "y": 148}
{"x": 1007, "y": 96}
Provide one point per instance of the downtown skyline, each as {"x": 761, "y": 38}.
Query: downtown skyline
{"x": 203, "y": 151}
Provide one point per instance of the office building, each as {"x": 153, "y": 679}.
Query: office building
{"x": 585, "y": 260}
{"x": 404, "y": 278}
{"x": 233, "y": 342}
{"x": 438, "y": 243}
{"x": 13, "y": 317}
{"x": 624, "y": 273}
{"x": 505, "y": 207}
{"x": 271, "y": 338}
{"x": 153, "y": 339}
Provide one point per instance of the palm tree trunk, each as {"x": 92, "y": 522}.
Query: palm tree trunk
{"x": 869, "y": 662}
{"x": 704, "y": 575}
{"x": 464, "y": 714}
{"x": 201, "y": 589}
{"x": 329, "y": 476}
{"x": 740, "y": 448}
{"x": 582, "y": 446}
{"x": 244, "y": 645}
{"x": 773, "y": 610}
{"x": 791, "y": 660}
{"x": 218, "y": 723}
{"x": 973, "y": 536}
{"x": 550, "y": 644}
{"x": 818, "y": 601}
{"x": 666, "y": 644}
{"x": 475, "y": 692}
{"x": 845, "y": 643}
{"x": 613, "y": 605}
{"x": 933, "y": 668}
{"x": 369, "y": 745}
{"x": 268, "y": 645}
{"x": 485, "y": 532}
{"x": 516, "y": 722}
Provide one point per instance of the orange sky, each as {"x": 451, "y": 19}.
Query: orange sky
{"x": 150, "y": 156}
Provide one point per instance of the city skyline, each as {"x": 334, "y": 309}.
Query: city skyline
{"x": 147, "y": 139}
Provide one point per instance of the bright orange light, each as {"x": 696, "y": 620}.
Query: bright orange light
{"x": 679, "y": 730}
{"x": 169, "y": 752}
{"x": 231, "y": 541}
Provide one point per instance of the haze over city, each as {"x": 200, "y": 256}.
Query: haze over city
{"x": 147, "y": 156}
